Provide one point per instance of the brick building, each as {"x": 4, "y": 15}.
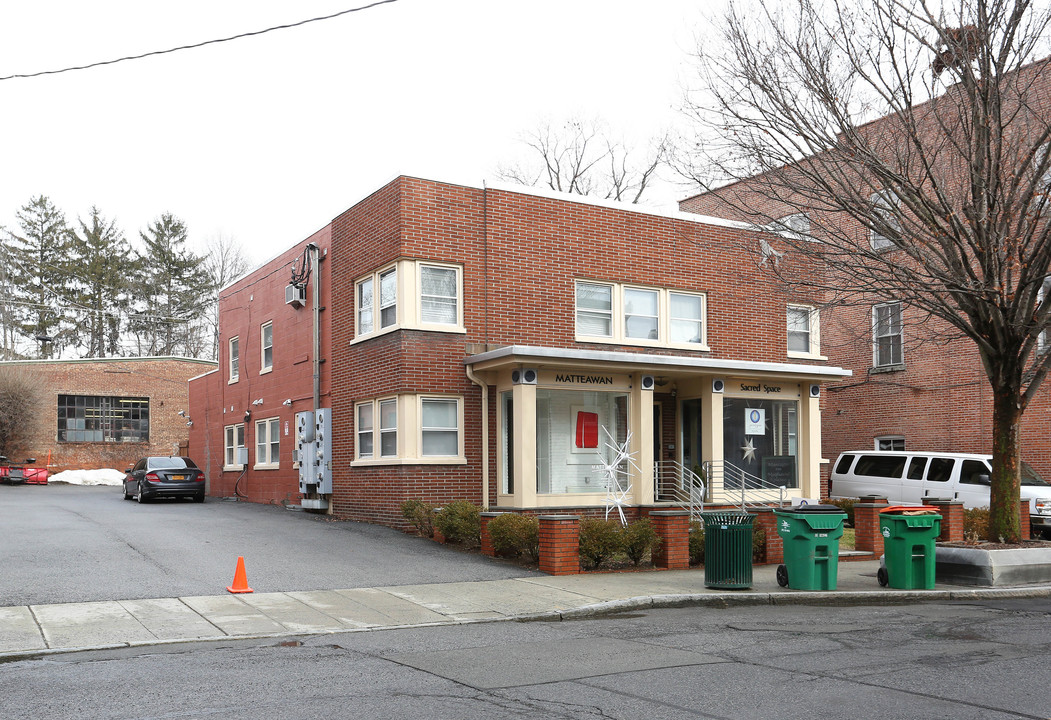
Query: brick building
{"x": 107, "y": 413}
{"x": 495, "y": 344}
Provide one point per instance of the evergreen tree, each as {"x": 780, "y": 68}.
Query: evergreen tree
{"x": 103, "y": 260}
{"x": 173, "y": 290}
{"x": 38, "y": 257}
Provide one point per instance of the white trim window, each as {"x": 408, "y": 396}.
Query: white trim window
{"x": 803, "y": 331}
{"x": 632, "y": 315}
{"x": 366, "y": 308}
{"x": 439, "y": 295}
{"x": 235, "y": 359}
{"x": 267, "y": 443}
{"x": 373, "y": 435}
{"x": 1041, "y": 338}
{"x": 887, "y": 335}
{"x": 796, "y": 224}
{"x": 388, "y": 412}
{"x": 885, "y": 204}
{"x": 234, "y": 441}
{"x": 889, "y": 442}
{"x": 440, "y": 427}
{"x": 377, "y": 312}
{"x": 365, "y": 430}
{"x": 266, "y": 347}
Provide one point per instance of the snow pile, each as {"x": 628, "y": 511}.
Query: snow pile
{"x": 89, "y": 477}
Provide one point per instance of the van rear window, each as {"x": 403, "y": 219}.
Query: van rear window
{"x": 880, "y": 466}
{"x": 843, "y": 466}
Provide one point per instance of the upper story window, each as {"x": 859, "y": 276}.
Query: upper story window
{"x": 94, "y": 418}
{"x": 411, "y": 294}
{"x": 885, "y": 204}
{"x": 235, "y": 359}
{"x": 611, "y": 312}
{"x": 803, "y": 335}
{"x": 887, "y": 335}
{"x": 266, "y": 346}
{"x": 796, "y": 223}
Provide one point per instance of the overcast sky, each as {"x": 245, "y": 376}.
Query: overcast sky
{"x": 267, "y": 138}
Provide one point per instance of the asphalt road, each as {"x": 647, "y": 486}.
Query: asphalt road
{"x": 948, "y": 660}
{"x": 68, "y": 543}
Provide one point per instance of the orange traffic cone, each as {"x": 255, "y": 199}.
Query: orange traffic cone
{"x": 240, "y": 578}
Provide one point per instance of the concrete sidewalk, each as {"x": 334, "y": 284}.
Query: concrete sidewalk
{"x": 41, "y": 629}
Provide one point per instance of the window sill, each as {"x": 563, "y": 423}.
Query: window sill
{"x": 410, "y": 461}
{"x": 886, "y": 369}
{"x": 267, "y": 466}
{"x": 806, "y": 356}
{"x": 232, "y": 381}
{"x": 266, "y": 370}
{"x": 233, "y": 468}
{"x": 636, "y": 342}
{"x": 375, "y": 334}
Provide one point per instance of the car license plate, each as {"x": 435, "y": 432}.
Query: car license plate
{"x": 178, "y": 477}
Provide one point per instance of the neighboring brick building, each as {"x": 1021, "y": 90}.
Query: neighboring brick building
{"x": 480, "y": 343}
{"x": 108, "y": 413}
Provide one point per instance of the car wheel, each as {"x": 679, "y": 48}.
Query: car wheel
{"x": 198, "y": 498}
{"x": 127, "y": 495}
{"x": 140, "y": 498}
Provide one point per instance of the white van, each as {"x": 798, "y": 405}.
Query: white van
{"x": 914, "y": 478}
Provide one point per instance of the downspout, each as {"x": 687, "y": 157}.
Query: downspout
{"x": 485, "y": 434}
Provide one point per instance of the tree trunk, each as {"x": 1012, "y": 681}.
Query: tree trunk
{"x": 1004, "y": 523}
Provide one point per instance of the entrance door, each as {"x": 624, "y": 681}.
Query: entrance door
{"x": 691, "y": 441}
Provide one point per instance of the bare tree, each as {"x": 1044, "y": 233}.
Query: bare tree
{"x": 581, "y": 158}
{"x": 225, "y": 262}
{"x": 20, "y": 398}
{"x": 914, "y": 134}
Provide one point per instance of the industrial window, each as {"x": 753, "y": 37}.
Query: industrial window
{"x": 94, "y": 418}
{"x": 887, "y": 336}
{"x": 267, "y": 443}
{"x": 803, "y": 337}
{"x": 266, "y": 347}
{"x": 235, "y": 441}
{"x": 611, "y": 312}
{"x": 235, "y": 359}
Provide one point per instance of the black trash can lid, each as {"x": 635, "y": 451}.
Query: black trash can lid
{"x": 816, "y": 509}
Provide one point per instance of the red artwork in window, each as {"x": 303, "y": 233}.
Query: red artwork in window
{"x": 587, "y": 429}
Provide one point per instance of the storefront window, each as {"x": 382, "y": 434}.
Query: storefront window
{"x": 574, "y": 432}
{"x": 761, "y": 438}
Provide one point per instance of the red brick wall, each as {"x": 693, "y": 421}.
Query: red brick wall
{"x": 162, "y": 380}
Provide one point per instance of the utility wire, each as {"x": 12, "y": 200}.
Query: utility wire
{"x": 196, "y": 45}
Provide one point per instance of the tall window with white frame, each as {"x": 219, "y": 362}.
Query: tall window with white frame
{"x": 388, "y": 427}
{"x": 641, "y": 314}
{"x": 268, "y": 443}
{"x": 440, "y": 427}
{"x": 266, "y": 347}
{"x": 388, "y": 298}
{"x": 687, "y": 318}
{"x": 235, "y": 440}
{"x": 887, "y": 335}
{"x": 594, "y": 309}
{"x": 802, "y": 330}
{"x": 439, "y": 295}
{"x": 366, "y": 307}
{"x": 235, "y": 359}
{"x": 885, "y": 204}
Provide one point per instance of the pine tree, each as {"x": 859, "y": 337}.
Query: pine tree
{"x": 102, "y": 256}
{"x": 38, "y": 257}
{"x": 173, "y": 291}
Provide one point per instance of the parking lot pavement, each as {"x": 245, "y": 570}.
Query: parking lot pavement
{"x": 74, "y": 544}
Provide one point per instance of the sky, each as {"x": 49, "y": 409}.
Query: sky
{"x": 265, "y": 139}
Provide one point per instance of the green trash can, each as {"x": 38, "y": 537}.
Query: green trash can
{"x": 909, "y": 534}
{"x": 810, "y": 534}
{"x": 727, "y": 550}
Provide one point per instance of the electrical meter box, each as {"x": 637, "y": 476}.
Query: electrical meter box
{"x": 323, "y": 450}
{"x": 306, "y": 452}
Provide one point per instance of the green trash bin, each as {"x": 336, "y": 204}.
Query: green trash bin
{"x": 810, "y": 534}
{"x": 909, "y": 534}
{"x": 727, "y": 550}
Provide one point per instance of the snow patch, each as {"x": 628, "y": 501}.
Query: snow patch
{"x": 105, "y": 476}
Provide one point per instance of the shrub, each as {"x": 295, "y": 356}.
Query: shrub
{"x": 420, "y": 514}
{"x": 461, "y": 522}
{"x": 599, "y": 540}
{"x": 975, "y": 524}
{"x": 20, "y": 398}
{"x": 847, "y": 506}
{"x": 696, "y": 543}
{"x": 758, "y": 544}
{"x": 514, "y": 533}
{"x": 639, "y": 538}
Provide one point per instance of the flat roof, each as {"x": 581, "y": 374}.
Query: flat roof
{"x": 552, "y": 355}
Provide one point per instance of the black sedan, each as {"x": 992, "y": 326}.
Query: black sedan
{"x": 154, "y": 477}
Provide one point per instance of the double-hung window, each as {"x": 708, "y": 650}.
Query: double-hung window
{"x": 266, "y": 348}
{"x": 440, "y": 427}
{"x": 885, "y": 206}
{"x": 616, "y": 313}
{"x": 409, "y": 295}
{"x": 267, "y": 443}
{"x": 887, "y": 335}
{"x": 235, "y": 441}
{"x": 235, "y": 359}
{"x": 409, "y": 428}
{"x": 802, "y": 330}
{"x": 377, "y": 297}
{"x": 439, "y": 295}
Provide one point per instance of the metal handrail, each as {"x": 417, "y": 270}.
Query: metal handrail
{"x": 742, "y": 488}
{"x": 676, "y": 483}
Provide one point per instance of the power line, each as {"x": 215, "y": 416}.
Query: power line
{"x": 197, "y": 45}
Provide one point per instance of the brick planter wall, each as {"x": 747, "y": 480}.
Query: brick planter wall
{"x": 560, "y": 544}
{"x": 487, "y": 542}
{"x": 775, "y": 546}
{"x": 673, "y": 527}
{"x": 952, "y": 519}
{"x": 867, "y": 537}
